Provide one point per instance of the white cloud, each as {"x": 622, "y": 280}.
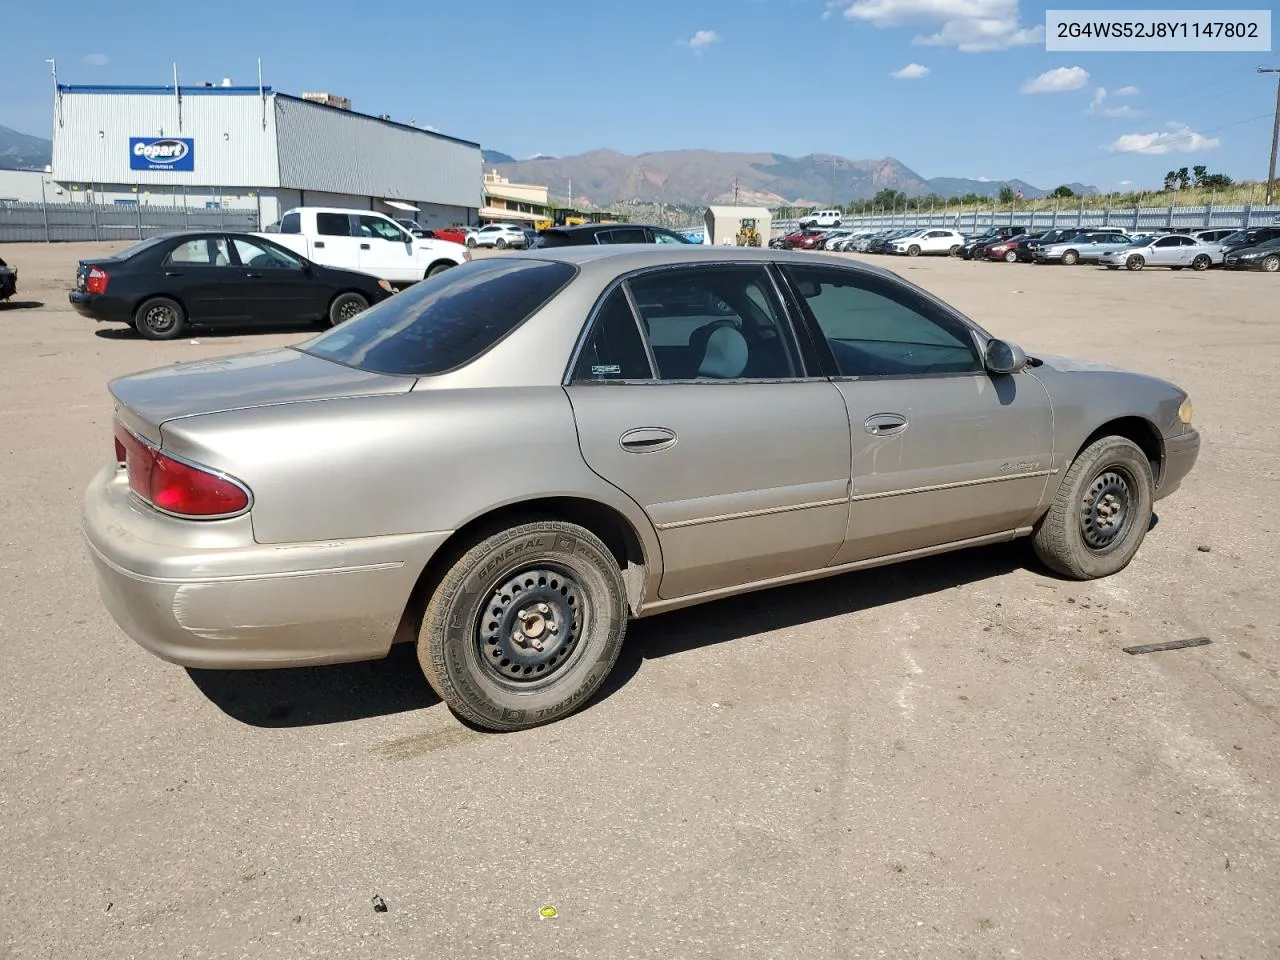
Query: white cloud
{"x": 1057, "y": 80}
{"x": 1126, "y": 183}
{"x": 97, "y": 59}
{"x": 972, "y": 26}
{"x": 912, "y": 71}
{"x": 1179, "y": 138}
{"x": 1124, "y": 110}
{"x": 702, "y": 39}
{"x": 1128, "y": 92}
{"x": 984, "y": 179}
{"x": 1099, "y": 96}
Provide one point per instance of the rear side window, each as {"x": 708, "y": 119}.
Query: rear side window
{"x": 292, "y": 223}
{"x": 446, "y": 321}
{"x": 554, "y": 238}
{"x": 333, "y": 225}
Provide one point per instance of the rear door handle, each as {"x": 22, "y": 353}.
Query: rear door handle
{"x": 173, "y": 273}
{"x": 364, "y": 246}
{"x": 254, "y": 275}
{"x": 885, "y": 424}
{"x": 647, "y": 439}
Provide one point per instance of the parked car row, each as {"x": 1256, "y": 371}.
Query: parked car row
{"x": 1253, "y": 248}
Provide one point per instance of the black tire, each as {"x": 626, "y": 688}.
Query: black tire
{"x": 468, "y": 648}
{"x": 1011, "y": 256}
{"x": 837, "y": 224}
{"x": 954, "y": 251}
{"x": 471, "y": 242}
{"x": 1271, "y": 264}
{"x": 1136, "y": 262}
{"x": 437, "y": 268}
{"x": 1070, "y": 258}
{"x": 160, "y": 318}
{"x": 500, "y": 243}
{"x": 913, "y": 250}
{"x": 1078, "y": 537}
{"x": 345, "y": 306}
{"x": 1201, "y": 262}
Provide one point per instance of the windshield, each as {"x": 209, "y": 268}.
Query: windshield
{"x": 445, "y": 321}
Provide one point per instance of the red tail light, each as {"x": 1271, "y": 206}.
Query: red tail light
{"x": 95, "y": 280}
{"x": 176, "y": 486}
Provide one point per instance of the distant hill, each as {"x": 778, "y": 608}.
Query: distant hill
{"x": 496, "y": 156}
{"x": 20, "y": 151}
{"x": 604, "y": 177}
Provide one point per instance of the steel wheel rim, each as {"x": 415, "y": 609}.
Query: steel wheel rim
{"x": 1106, "y": 512}
{"x": 349, "y": 309}
{"x": 161, "y": 318}
{"x": 529, "y": 631}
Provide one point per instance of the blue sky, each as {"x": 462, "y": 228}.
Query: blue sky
{"x": 784, "y": 76}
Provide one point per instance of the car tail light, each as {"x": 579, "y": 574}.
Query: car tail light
{"x": 96, "y": 280}
{"x": 176, "y": 486}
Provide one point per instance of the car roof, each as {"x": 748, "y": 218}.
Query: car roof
{"x": 592, "y": 227}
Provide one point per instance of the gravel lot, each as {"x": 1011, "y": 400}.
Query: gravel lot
{"x": 947, "y": 759}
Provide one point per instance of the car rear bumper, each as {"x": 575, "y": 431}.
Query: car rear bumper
{"x": 100, "y": 307}
{"x": 204, "y": 594}
{"x": 1180, "y": 455}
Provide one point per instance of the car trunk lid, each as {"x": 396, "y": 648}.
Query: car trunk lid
{"x": 147, "y": 400}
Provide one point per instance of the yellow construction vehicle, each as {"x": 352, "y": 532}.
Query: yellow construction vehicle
{"x": 748, "y": 235}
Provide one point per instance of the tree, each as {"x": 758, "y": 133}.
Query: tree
{"x": 889, "y": 198}
{"x": 1215, "y": 181}
{"x": 1184, "y": 178}
{"x": 1064, "y": 192}
{"x": 1199, "y": 172}
{"x": 1006, "y": 194}
{"x": 1171, "y": 180}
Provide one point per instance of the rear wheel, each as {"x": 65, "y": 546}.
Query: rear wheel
{"x": 345, "y": 306}
{"x": 1101, "y": 513}
{"x": 1202, "y": 262}
{"x": 160, "y": 318}
{"x": 471, "y": 242}
{"x": 525, "y": 626}
{"x": 954, "y": 251}
{"x": 1271, "y": 264}
{"x": 1136, "y": 262}
{"x": 1070, "y": 257}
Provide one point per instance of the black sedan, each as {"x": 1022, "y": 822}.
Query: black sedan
{"x": 8, "y": 281}
{"x": 1249, "y": 237}
{"x": 593, "y": 233}
{"x": 163, "y": 285}
{"x": 1261, "y": 256}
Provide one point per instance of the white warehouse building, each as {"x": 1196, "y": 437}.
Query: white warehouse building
{"x": 254, "y": 148}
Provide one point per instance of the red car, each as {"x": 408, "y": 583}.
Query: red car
{"x": 454, "y": 234}
{"x": 1006, "y": 249}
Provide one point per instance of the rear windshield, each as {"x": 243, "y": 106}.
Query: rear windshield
{"x": 554, "y": 238}
{"x": 446, "y": 321}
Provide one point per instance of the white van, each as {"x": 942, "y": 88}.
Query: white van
{"x": 366, "y": 241}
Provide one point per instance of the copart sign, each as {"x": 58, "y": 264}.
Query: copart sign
{"x": 162, "y": 153}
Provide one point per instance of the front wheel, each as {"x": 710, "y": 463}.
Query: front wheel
{"x": 345, "y": 306}
{"x": 525, "y": 626}
{"x": 1136, "y": 262}
{"x": 1102, "y": 511}
{"x": 1070, "y": 258}
{"x": 160, "y": 318}
{"x": 913, "y": 250}
{"x": 1010, "y": 257}
{"x": 501, "y": 244}
{"x": 438, "y": 268}
{"x": 1202, "y": 262}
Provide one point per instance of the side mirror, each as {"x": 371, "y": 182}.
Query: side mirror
{"x": 1004, "y": 357}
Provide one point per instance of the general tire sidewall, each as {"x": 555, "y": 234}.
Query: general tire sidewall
{"x": 602, "y": 633}
{"x": 1114, "y": 452}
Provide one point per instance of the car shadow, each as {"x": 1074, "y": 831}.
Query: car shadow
{"x": 122, "y": 332}
{"x": 21, "y": 304}
{"x": 312, "y": 696}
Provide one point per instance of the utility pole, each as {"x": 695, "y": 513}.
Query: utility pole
{"x": 1275, "y": 135}
{"x": 735, "y": 189}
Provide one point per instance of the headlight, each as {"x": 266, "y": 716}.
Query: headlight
{"x": 386, "y": 286}
{"x": 1184, "y": 411}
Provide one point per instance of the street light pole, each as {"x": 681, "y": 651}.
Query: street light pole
{"x": 1275, "y": 135}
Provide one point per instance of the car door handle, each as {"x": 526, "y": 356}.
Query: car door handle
{"x": 364, "y": 246}
{"x": 647, "y": 439}
{"x": 173, "y": 273}
{"x": 885, "y": 424}
{"x": 254, "y": 275}
{"x": 319, "y": 244}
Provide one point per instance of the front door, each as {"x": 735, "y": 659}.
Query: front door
{"x": 1172, "y": 251}
{"x": 941, "y": 450}
{"x": 704, "y": 416}
{"x": 277, "y": 286}
{"x": 386, "y": 251}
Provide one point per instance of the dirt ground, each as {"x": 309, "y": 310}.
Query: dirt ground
{"x": 947, "y": 759}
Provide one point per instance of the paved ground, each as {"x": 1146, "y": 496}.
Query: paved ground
{"x": 949, "y": 759}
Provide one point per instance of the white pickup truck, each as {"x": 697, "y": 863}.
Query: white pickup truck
{"x": 366, "y": 241}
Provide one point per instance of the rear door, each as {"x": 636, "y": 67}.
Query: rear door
{"x": 623, "y": 235}
{"x": 336, "y": 243}
{"x": 942, "y": 451}
{"x": 200, "y": 274}
{"x": 703, "y": 413}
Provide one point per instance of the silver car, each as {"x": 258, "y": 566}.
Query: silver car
{"x": 1084, "y": 247}
{"x": 1172, "y": 250}
{"x": 507, "y": 462}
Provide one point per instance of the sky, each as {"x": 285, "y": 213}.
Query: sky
{"x": 959, "y": 88}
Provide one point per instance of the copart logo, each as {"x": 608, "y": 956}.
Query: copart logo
{"x": 161, "y": 151}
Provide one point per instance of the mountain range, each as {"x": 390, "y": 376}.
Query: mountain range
{"x": 601, "y": 178}
{"x": 694, "y": 177}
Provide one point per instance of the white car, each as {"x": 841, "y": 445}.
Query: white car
{"x": 365, "y": 241}
{"x": 935, "y": 240}
{"x": 500, "y": 235}
{"x": 823, "y": 218}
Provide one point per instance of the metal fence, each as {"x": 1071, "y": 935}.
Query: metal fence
{"x": 1088, "y": 218}
{"x": 51, "y": 222}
